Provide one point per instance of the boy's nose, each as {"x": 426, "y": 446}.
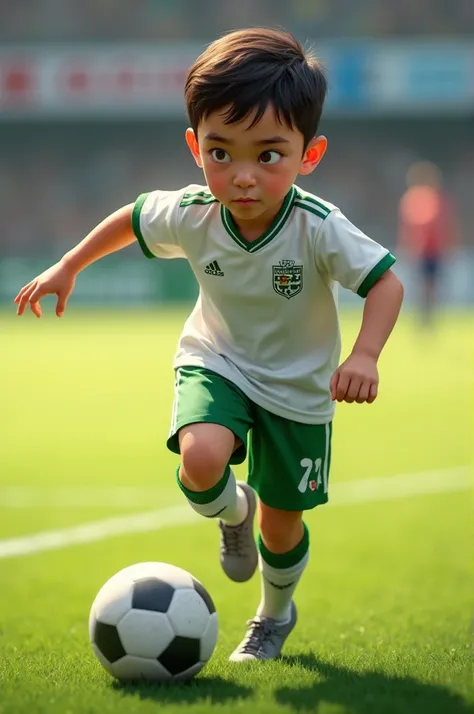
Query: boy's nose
{"x": 244, "y": 179}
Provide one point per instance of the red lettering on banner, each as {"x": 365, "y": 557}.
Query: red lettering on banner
{"x": 95, "y": 80}
{"x": 125, "y": 79}
{"x": 17, "y": 82}
{"x": 77, "y": 81}
{"x": 122, "y": 81}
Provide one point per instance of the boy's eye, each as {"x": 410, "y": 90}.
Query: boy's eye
{"x": 270, "y": 157}
{"x": 220, "y": 155}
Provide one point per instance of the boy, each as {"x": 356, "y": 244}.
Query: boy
{"x": 259, "y": 354}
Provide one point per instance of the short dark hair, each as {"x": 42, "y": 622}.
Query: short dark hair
{"x": 246, "y": 70}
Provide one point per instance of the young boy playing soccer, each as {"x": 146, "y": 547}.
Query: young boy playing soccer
{"x": 258, "y": 357}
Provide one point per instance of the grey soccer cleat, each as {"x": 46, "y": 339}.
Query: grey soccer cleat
{"x": 238, "y": 550}
{"x": 264, "y": 639}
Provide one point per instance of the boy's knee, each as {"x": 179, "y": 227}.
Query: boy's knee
{"x": 201, "y": 462}
{"x": 204, "y": 459}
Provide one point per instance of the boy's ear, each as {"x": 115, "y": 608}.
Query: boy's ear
{"x": 313, "y": 154}
{"x": 192, "y": 142}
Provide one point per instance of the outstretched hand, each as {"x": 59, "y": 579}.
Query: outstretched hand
{"x": 58, "y": 280}
{"x": 355, "y": 380}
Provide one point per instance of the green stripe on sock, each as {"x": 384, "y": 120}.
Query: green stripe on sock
{"x": 205, "y": 496}
{"x": 285, "y": 560}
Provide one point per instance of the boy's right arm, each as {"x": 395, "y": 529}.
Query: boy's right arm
{"x": 112, "y": 234}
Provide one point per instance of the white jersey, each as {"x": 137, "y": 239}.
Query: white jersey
{"x": 266, "y": 316}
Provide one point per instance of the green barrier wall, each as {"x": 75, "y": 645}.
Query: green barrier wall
{"x": 114, "y": 280}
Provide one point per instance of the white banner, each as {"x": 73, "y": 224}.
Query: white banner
{"x": 133, "y": 81}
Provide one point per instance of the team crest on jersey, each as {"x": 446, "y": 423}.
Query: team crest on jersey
{"x": 287, "y": 278}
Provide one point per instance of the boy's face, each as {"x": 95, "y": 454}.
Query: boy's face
{"x": 250, "y": 170}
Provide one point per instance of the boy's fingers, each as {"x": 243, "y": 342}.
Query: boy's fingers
{"x": 342, "y": 386}
{"x": 372, "y": 393}
{"x": 37, "y": 294}
{"x": 363, "y": 393}
{"x": 333, "y": 384}
{"x": 18, "y": 297}
{"x": 353, "y": 389}
{"x": 23, "y": 301}
{"x": 61, "y": 304}
{"x": 36, "y": 309}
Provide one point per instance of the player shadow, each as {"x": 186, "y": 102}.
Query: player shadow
{"x": 213, "y": 689}
{"x": 368, "y": 692}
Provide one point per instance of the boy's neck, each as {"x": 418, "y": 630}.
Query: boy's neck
{"x": 252, "y": 229}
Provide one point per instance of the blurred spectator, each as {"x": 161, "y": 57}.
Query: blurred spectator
{"x": 428, "y": 232}
{"x": 64, "y": 20}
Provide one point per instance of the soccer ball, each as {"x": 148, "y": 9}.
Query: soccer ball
{"x": 153, "y": 621}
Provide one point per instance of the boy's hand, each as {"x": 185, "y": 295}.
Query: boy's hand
{"x": 355, "y": 380}
{"x": 58, "y": 280}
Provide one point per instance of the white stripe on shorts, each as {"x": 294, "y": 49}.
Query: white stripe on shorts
{"x": 326, "y": 457}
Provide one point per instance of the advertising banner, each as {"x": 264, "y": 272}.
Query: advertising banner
{"x": 145, "y": 81}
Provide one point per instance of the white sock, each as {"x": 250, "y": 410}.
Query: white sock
{"x": 279, "y": 584}
{"x": 230, "y": 505}
{"x": 236, "y": 512}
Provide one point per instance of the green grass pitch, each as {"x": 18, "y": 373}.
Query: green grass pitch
{"x": 385, "y": 605}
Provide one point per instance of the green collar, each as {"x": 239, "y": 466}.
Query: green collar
{"x": 271, "y": 232}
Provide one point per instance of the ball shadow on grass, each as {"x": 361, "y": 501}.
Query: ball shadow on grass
{"x": 214, "y": 689}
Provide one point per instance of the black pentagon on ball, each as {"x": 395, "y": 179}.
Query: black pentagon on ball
{"x": 108, "y": 641}
{"x": 152, "y": 594}
{"x": 205, "y": 596}
{"x": 181, "y": 654}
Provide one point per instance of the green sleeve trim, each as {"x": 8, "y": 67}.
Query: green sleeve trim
{"x": 136, "y": 224}
{"x": 376, "y": 272}
{"x": 285, "y": 560}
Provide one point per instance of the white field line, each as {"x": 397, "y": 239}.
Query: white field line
{"x": 97, "y": 530}
{"x": 22, "y": 497}
{"x": 82, "y": 497}
{"x": 345, "y": 494}
{"x": 389, "y": 488}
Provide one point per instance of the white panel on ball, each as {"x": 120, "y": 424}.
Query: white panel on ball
{"x": 145, "y": 633}
{"x": 188, "y": 613}
{"x": 177, "y": 577}
{"x": 113, "y": 600}
{"x": 92, "y": 619}
{"x": 209, "y": 638}
{"x": 131, "y": 668}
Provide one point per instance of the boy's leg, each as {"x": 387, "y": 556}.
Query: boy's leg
{"x": 212, "y": 491}
{"x": 204, "y": 477}
{"x": 289, "y": 468}
{"x": 283, "y": 557}
{"x": 210, "y": 422}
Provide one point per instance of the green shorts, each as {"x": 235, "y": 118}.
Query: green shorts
{"x": 288, "y": 461}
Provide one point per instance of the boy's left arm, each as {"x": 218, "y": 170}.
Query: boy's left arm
{"x": 356, "y": 379}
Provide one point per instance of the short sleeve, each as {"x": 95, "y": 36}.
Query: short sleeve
{"x": 155, "y": 223}
{"x": 345, "y": 254}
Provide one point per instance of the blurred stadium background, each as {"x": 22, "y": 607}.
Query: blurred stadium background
{"x": 91, "y": 114}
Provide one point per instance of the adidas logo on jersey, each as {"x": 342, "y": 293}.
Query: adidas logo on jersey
{"x": 214, "y": 269}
